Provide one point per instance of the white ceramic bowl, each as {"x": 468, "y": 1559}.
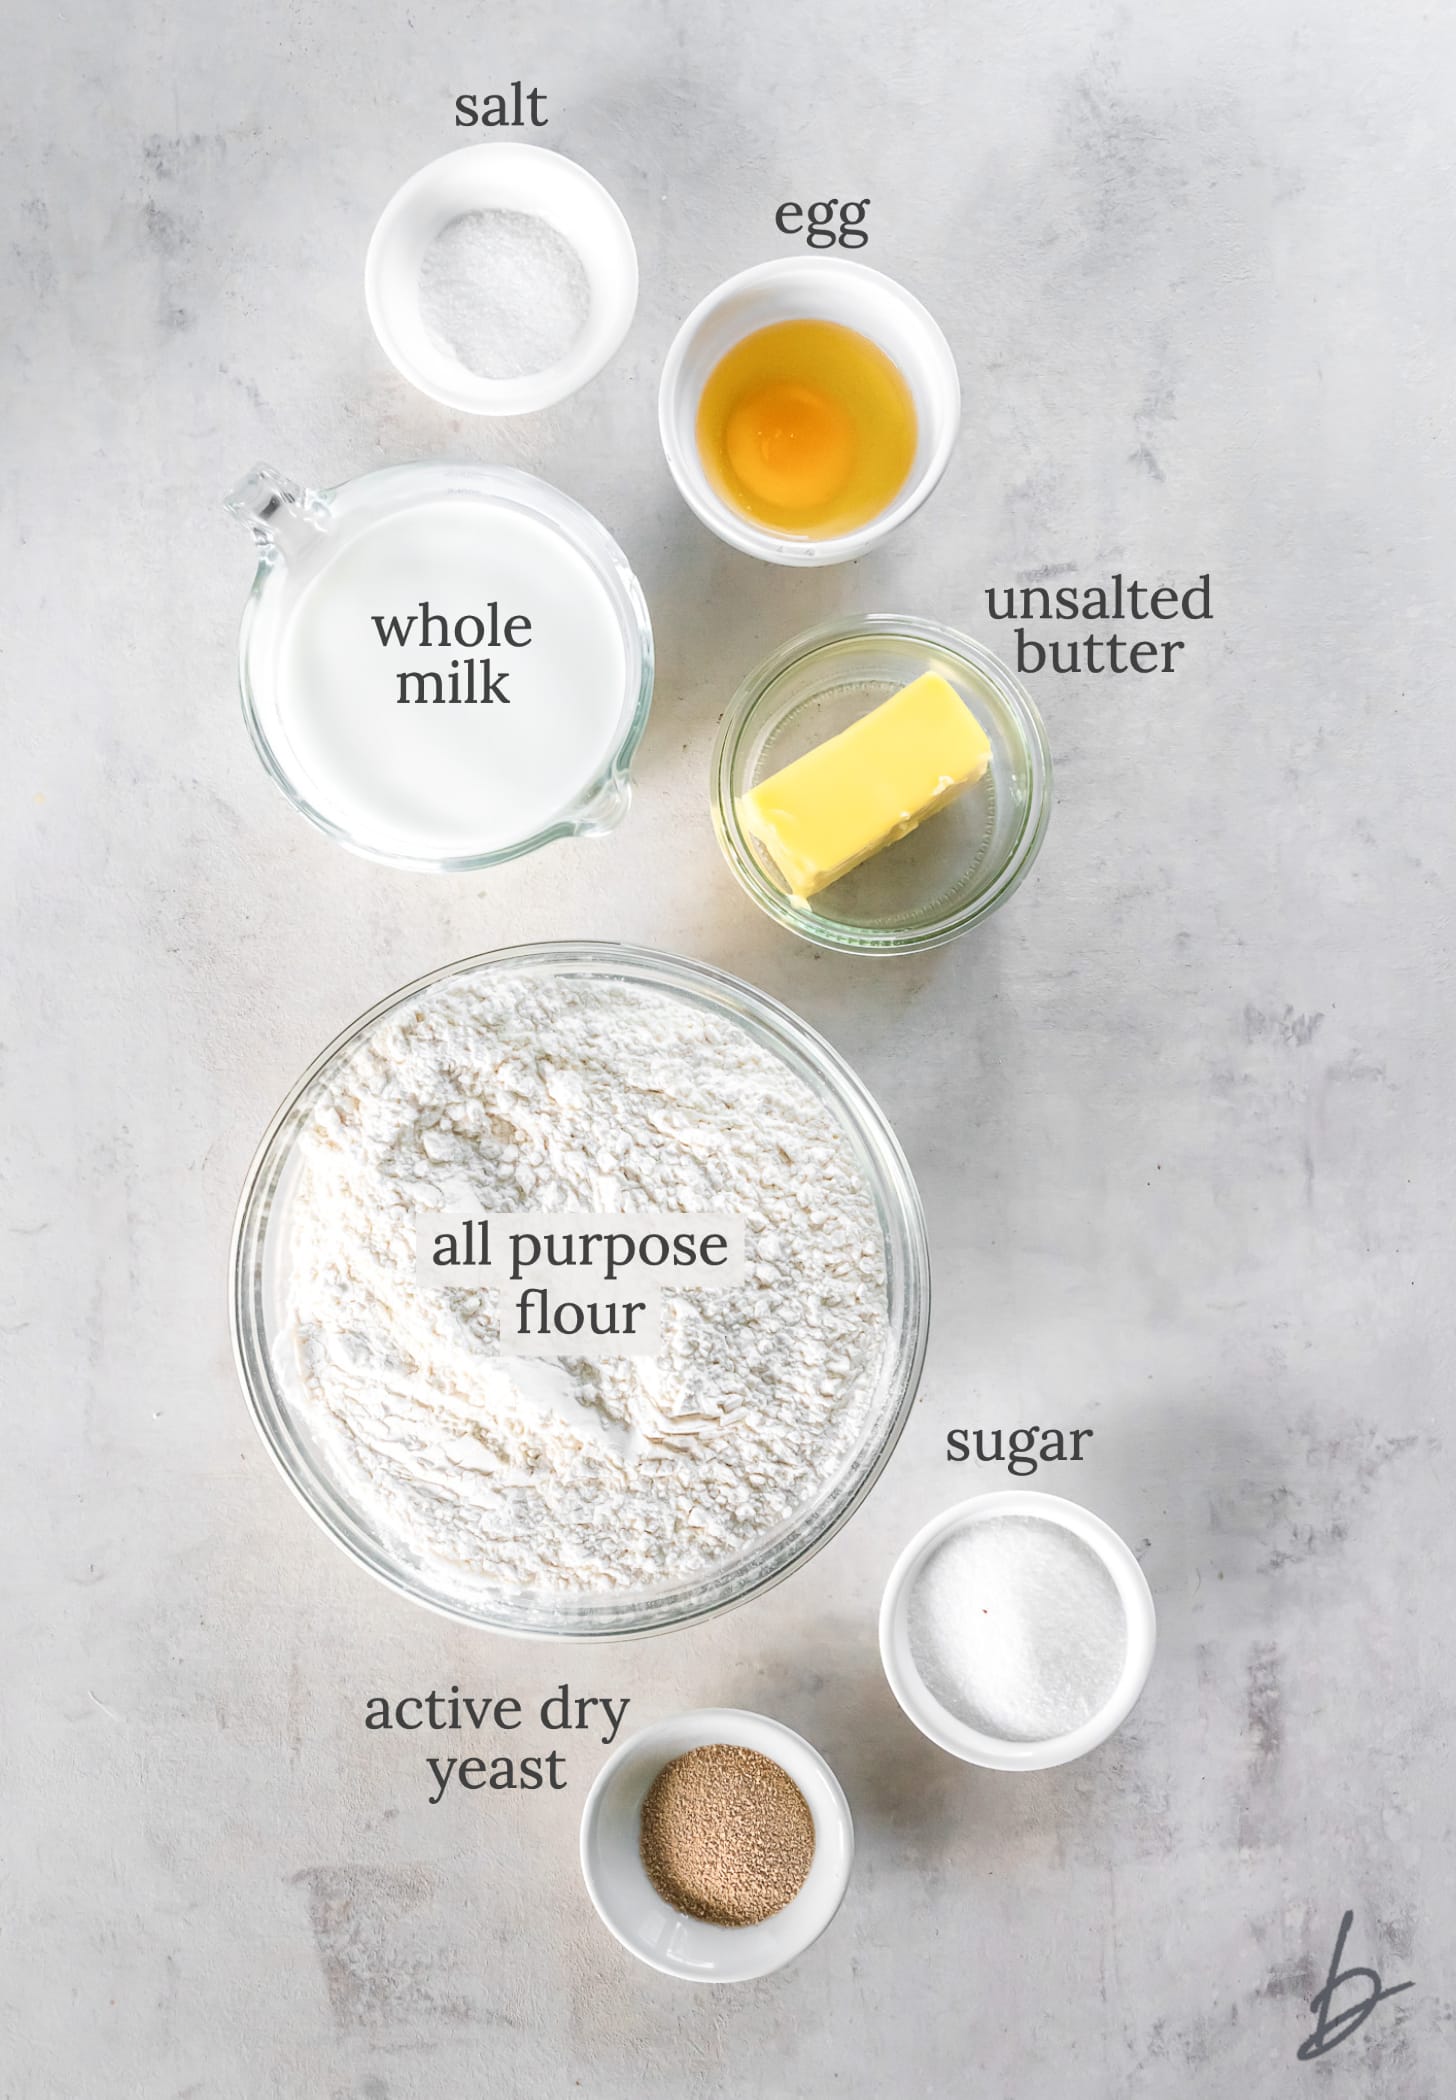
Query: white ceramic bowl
{"x": 499, "y": 178}
{"x": 630, "y": 1906}
{"x": 946, "y": 1728}
{"x": 813, "y": 288}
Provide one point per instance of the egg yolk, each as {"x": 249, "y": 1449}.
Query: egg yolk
{"x": 790, "y": 444}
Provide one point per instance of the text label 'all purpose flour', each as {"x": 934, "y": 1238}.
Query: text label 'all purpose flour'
{"x": 593, "y": 1284}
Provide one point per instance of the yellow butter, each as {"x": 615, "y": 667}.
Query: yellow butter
{"x": 868, "y": 786}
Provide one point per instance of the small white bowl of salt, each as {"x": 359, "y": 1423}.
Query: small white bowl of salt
{"x": 1017, "y": 1631}
{"x": 500, "y": 279}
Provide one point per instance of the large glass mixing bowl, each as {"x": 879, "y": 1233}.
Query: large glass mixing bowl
{"x": 282, "y": 1414}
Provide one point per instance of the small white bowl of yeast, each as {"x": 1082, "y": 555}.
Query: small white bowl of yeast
{"x": 629, "y": 1904}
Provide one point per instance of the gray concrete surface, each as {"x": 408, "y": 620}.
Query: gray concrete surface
{"x": 1181, "y": 1114}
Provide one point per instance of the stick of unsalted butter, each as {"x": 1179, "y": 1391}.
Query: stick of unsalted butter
{"x": 868, "y": 786}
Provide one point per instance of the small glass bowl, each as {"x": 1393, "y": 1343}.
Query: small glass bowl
{"x": 284, "y": 1420}
{"x": 952, "y": 871}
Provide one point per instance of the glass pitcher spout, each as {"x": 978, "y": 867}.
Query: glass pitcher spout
{"x": 283, "y": 516}
{"x": 604, "y": 809}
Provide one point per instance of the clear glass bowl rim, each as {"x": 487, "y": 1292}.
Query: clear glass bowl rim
{"x": 902, "y": 1218}
{"x": 596, "y": 546}
{"x": 738, "y": 718}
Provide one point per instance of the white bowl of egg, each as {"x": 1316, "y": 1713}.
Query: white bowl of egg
{"x": 807, "y": 407}
{"x": 1017, "y": 1631}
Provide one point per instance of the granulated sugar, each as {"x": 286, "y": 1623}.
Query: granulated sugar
{"x": 1017, "y": 1628}
{"x": 503, "y": 292}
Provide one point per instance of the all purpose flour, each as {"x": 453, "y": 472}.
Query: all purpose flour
{"x": 520, "y": 1092}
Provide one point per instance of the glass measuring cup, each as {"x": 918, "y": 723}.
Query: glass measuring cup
{"x": 334, "y": 738}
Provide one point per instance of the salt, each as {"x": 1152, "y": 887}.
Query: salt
{"x": 503, "y": 292}
{"x": 1017, "y": 1628}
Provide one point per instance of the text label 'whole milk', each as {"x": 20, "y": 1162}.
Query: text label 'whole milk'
{"x": 461, "y": 680}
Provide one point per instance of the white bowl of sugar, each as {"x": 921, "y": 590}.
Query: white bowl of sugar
{"x": 500, "y": 279}
{"x": 1017, "y": 1631}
